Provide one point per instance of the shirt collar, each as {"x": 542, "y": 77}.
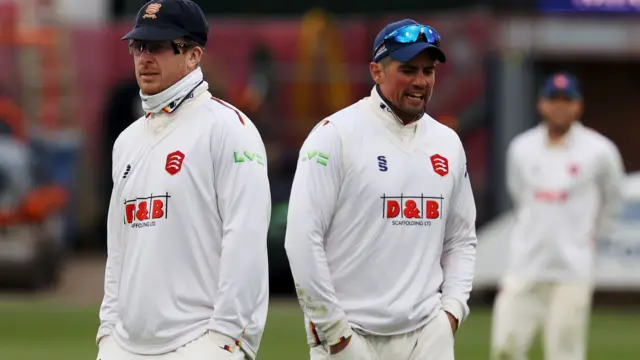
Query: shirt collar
{"x": 387, "y": 116}
{"x": 566, "y": 140}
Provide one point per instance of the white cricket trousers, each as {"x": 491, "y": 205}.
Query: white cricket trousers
{"x": 434, "y": 341}
{"x": 207, "y": 347}
{"x": 560, "y": 310}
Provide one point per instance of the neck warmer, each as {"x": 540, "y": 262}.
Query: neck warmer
{"x": 170, "y": 99}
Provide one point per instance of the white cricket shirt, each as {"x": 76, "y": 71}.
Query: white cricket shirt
{"x": 381, "y": 225}
{"x": 566, "y": 196}
{"x": 187, "y": 230}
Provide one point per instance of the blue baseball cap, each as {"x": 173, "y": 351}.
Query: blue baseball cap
{"x": 405, "y": 51}
{"x": 561, "y": 84}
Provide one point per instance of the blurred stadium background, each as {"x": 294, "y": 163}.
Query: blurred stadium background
{"x": 67, "y": 89}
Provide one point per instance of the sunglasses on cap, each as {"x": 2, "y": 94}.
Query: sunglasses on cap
{"x": 413, "y": 33}
{"x": 137, "y": 47}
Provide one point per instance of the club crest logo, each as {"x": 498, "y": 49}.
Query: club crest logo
{"x": 151, "y": 11}
{"x": 574, "y": 169}
{"x": 440, "y": 164}
{"x": 174, "y": 162}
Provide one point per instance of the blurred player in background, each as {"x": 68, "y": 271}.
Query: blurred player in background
{"x": 564, "y": 180}
{"x": 381, "y": 226}
{"x": 187, "y": 273}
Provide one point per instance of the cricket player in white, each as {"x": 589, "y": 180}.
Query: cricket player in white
{"x": 381, "y": 226}
{"x": 564, "y": 180}
{"x": 186, "y": 275}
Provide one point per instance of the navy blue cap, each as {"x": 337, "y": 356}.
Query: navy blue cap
{"x": 402, "y": 52}
{"x": 160, "y": 20}
{"x": 561, "y": 84}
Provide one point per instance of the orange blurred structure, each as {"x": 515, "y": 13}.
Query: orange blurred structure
{"x": 46, "y": 40}
{"x": 35, "y": 207}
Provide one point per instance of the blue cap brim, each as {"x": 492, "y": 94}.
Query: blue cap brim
{"x": 408, "y": 52}
{"x": 568, "y": 93}
{"x": 154, "y": 33}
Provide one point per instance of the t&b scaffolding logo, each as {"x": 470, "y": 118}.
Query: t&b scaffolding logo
{"x": 143, "y": 212}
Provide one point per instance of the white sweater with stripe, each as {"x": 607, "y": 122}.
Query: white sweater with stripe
{"x": 187, "y": 230}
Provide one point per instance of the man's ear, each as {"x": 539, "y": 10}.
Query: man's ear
{"x": 377, "y": 72}
{"x": 542, "y": 107}
{"x": 195, "y": 56}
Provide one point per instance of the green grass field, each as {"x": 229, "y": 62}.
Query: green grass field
{"x": 31, "y": 331}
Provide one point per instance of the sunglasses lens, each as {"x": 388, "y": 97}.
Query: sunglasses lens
{"x": 135, "y": 47}
{"x": 408, "y": 34}
{"x": 158, "y": 47}
{"x": 413, "y": 33}
{"x": 150, "y": 47}
{"x": 433, "y": 37}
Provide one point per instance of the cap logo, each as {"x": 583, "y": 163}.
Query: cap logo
{"x": 380, "y": 51}
{"x": 560, "y": 81}
{"x": 151, "y": 11}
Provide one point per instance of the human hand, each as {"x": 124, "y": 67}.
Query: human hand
{"x": 452, "y": 321}
{"x": 334, "y": 349}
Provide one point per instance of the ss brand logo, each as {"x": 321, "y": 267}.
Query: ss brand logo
{"x": 382, "y": 163}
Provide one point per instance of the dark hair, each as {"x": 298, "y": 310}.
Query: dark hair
{"x": 189, "y": 41}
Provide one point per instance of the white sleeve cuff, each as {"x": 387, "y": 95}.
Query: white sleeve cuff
{"x": 455, "y": 308}
{"x": 103, "y": 332}
{"x": 338, "y": 333}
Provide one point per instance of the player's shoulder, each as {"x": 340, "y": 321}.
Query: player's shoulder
{"x": 223, "y": 113}
{"x": 351, "y": 116}
{"x": 224, "y": 116}
{"x": 325, "y": 133}
{"x": 526, "y": 139}
{"x": 332, "y": 128}
{"x": 596, "y": 140}
{"x": 440, "y": 130}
